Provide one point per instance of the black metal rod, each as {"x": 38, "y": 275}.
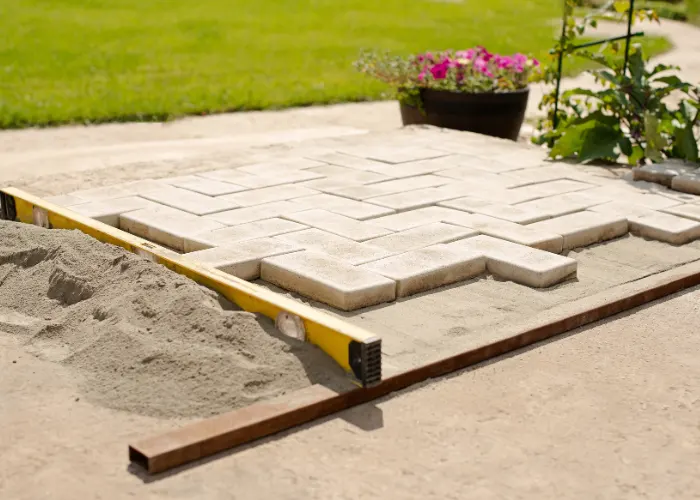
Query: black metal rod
{"x": 565, "y": 15}
{"x": 600, "y": 42}
{"x": 630, "y": 15}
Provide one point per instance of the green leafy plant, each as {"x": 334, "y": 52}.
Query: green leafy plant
{"x": 630, "y": 115}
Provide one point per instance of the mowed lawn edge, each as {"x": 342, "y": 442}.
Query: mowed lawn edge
{"x": 93, "y": 61}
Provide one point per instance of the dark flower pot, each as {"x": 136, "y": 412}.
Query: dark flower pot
{"x": 494, "y": 114}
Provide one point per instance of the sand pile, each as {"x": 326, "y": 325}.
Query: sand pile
{"x": 143, "y": 338}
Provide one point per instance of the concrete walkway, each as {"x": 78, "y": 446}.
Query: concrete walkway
{"x": 48, "y": 144}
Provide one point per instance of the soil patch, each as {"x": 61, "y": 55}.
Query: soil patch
{"x": 145, "y": 339}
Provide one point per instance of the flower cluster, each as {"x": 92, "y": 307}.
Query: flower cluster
{"x": 472, "y": 70}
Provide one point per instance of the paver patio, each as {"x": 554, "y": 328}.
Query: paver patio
{"x": 418, "y": 211}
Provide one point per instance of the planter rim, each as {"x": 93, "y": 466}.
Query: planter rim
{"x": 508, "y": 92}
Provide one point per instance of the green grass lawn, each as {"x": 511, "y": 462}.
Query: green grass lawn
{"x": 85, "y": 61}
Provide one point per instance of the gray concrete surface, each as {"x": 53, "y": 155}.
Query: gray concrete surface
{"x": 606, "y": 412}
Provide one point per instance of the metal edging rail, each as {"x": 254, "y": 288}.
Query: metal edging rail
{"x": 356, "y": 350}
{"x": 224, "y": 432}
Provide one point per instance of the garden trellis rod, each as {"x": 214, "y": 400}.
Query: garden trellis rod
{"x": 627, "y": 37}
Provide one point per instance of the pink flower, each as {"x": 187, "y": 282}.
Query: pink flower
{"x": 421, "y": 76}
{"x": 439, "y": 71}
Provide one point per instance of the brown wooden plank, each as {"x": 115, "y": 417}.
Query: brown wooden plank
{"x": 210, "y": 436}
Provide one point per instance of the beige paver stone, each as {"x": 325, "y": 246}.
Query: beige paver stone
{"x": 242, "y": 232}
{"x": 66, "y": 200}
{"x": 634, "y": 195}
{"x": 506, "y": 230}
{"x": 165, "y": 226}
{"x": 519, "y": 263}
{"x": 512, "y": 213}
{"x": 268, "y": 195}
{"x": 661, "y": 173}
{"x": 335, "y": 246}
{"x": 328, "y": 280}
{"x": 188, "y": 201}
{"x": 143, "y": 186}
{"x": 584, "y": 228}
{"x": 412, "y": 218}
{"x": 475, "y": 175}
{"x": 547, "y": 173}
{"x": 292, "y": 176}
{"x": 348, "y": 161}
{"x": 349, "y": 208}
{"x": 256, "y": 212}
{"x": 521, "y": 157}
{"x": 207, "y": 187}
{"x": 552, "y": 188}
{"x": 428, "y": 268}
{"x": 102, "y": 193}
{"x": 411, "y": 200}
{"x": 620, "y": 209}
{"x": 564, "y": 204}
{"x": 375, "y": 190}
{"x": 422, "y": 236}
{"x": 665, "y": 227}
{"x": 687, "y": 183}
{"x": 242, "y": 259}
{"x": 241, "y": 178}
{"x": 687, "y": 210}
{"x": 338, "y": 224}
{"x": 332, "y": 170}
{"x": 108, "y": 211}
{"x": 272, "y": 168}
{"x": 488, "y": 192}
{"x": 414, "y": 168}
{"x": 394, "y": 154}
{"x": 358, "y": 178}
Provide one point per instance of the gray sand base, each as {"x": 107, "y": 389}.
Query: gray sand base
{"x": 143, "y": 339}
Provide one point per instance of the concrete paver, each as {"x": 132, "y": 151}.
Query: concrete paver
{"x": 283, "y": 164}
{"x": 688, "y": 210}
{"x": 327, "y": 280}
{"x": 65, "y": 200}
{"x": 242, "y": 259}
{"x": 584, "y": 228}
{"x": 389, "y": 154}
{"x": 338, "y": 224}
{"x": 188, "y": 201}
{"x": 687, "y": 183}
{"x": 103, "y": 193}
{"x": 268, "y": 195}
{"x": 509, "y": 231}
{"x": 665, "y": 227}
{"x": 564, "y": 204}
{"x": 413, "y": 218}
{"x": 241, "y": 178}
{"x": 169, "y": 227}
{"x": 335, "y": 246}
{"x": 207, "y": 187}
{"x": 512, "y": 213}
{"x": 428, "y": 268}
{"x": 518, "y": 263}
{"x": 661, "y": 173}
{"x": 343, "y": 206}
{"x": 348, "y": 161}
{"x": 375, "y": 190}
{"x": 256, "y": 212}
{"x": 108, "y": 211}
{"x": 242, "y": 232}
{"x": 417, "y": 198}
{"x": 422, "y": 236}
